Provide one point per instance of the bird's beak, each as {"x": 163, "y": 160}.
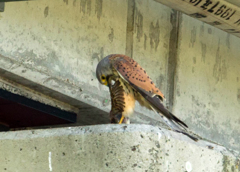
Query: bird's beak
{"x": 108, "y": 81}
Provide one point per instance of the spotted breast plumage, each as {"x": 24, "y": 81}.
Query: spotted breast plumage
{"x": 128, "y": 82}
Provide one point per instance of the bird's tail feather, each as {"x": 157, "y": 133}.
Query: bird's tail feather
{"x": 190, "y": 136}
{"x": 155, "y": 103}
{"x": 178, "y": 127}
{"x": 178, "y": 121}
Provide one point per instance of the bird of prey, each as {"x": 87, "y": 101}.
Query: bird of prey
{"x": 128, "y": 82}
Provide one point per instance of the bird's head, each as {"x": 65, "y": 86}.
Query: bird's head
{"x": 104, "y": 70}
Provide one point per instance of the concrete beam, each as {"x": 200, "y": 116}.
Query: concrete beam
{"x": 2, "y": 5}
{"x": 110, "y": 148}
{"x": 235, "y": 2}
{"x": 218, "y": 13}
{"x": 12, "y": 0}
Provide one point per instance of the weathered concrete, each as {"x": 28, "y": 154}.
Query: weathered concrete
{"x": 218, "y": 13}
{"x": 2, "y": 5}
{"x": 53, "y": 48}
{"x": 235, "y": 2}
{"x": 207, "y": 82}
{"x": 86, "y": 31}
{"x": 110, "y": 148}
{"x": 18, "y": 89}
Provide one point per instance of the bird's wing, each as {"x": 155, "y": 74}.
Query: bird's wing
{"x": 136, "y": 76}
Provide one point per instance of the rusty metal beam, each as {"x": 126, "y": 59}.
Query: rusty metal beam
{"x": 218, "y": 13}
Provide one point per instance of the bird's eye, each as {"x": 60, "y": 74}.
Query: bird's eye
{"x": 103, "y": 78}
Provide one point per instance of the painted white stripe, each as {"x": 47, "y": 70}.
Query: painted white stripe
{"x": 159, "y": 136}
{"x": 188, "y": 166}
{"x": 218, "y": 13}
{"x": 50, "y": 161}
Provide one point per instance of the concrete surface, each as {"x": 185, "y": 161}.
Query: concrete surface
{"x": 53, "y": 47}
{"x": 110, "y": 148}
{"x": 34, "y": 49}
{"x": 207, "y": 79}
{"x": 235, "y": 2}
{"x": 55, "y": 31}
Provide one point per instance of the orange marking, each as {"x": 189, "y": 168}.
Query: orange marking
{"x": 129, "y": 100}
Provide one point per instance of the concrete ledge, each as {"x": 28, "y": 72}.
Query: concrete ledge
{"x": 110, "y": 148}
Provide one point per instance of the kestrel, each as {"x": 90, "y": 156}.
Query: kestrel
{"x": 128, "y": 82}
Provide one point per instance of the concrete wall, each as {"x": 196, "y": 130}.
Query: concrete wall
{"x": 207, "y": 81}
{"x": 54, "y": 46}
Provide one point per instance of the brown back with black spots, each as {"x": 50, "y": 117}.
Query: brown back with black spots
{"x": 134, "y": 73}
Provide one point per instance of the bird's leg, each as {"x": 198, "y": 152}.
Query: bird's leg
{"x": 121, "y": 120}
{"x": 115, "y": 116}
{"x": 114, "y": 119}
